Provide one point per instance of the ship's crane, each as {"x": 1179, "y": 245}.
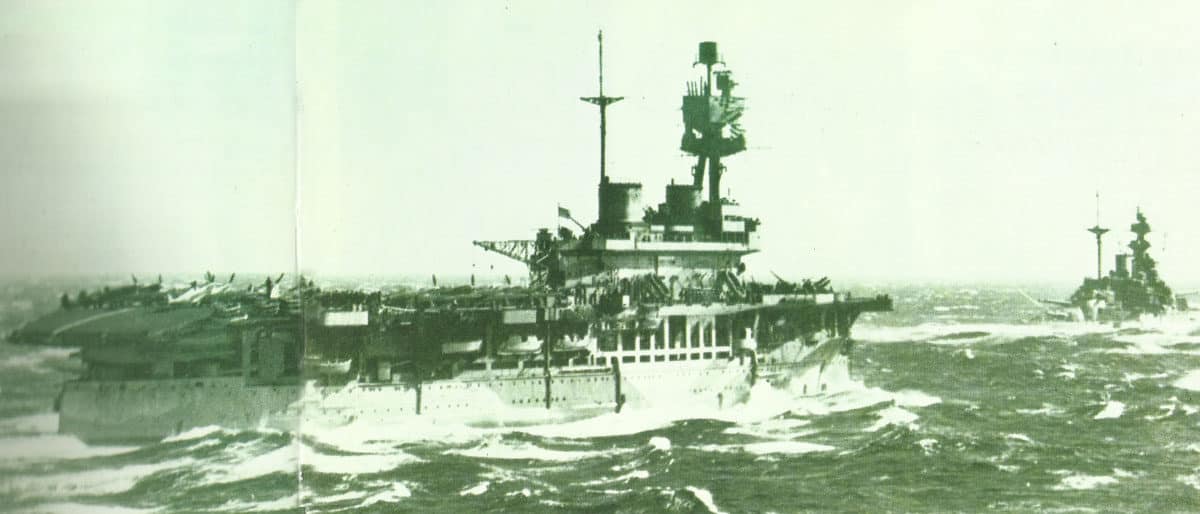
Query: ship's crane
{"x": 517, "y": 249}
{"x": 538, "y": 255}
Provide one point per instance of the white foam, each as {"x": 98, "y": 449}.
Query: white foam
{"x": 353, "y": 464}
{"x": 861, "y": 397}
{"x": 476, "y": 490}
{"x": 626, "y": 422}
{"x": 763, "y": 402}
{"x": 786, "y": 447}
{"x": 243, "y": 462}
{"x": 195, "y": 433}
{"x": 289, "y": 502}
{"x": 1112, "y": 410}
{"x": 660, "y": 443}
{"x": 951, "y": 308}
{"x": 766, "y": 448}
{"x": 33, "y": 360}
{"x": 1192, "y": 480}
{"x": 23, "y": 449}
{"x": 914, "y": 398}
{"x": 398, "y": 492}
{"x": 706, "y": 498}
{"x": 1143, "y": 344}
{"x": 43, "y": 423}
{"x": 971, "y": 333}
{"x": 1046, "y": 409}
{"x": 893, "y": 416}
{"x": 1159, "y": 336}
{"x": 1133, "y": 377}
{"x": 76, "y": 508}
{"x": 928, "y": 445}
{"x": 381, "y": 436}
{"x": 310, "y": 498}
{"x": 1190, "y": 381}
{"x": 100, "y": 481}
{"x": 522, "y": 451}
{"x": 1167, "y": 411}
{"x": 637, "y": 474}
{"x": 1084, "y": 482}
{"x": 1163, "y": 330}
{"x": 1120, "y": 473}
{"x": 1019, "y": 437}
{"x": 772, "y": 428}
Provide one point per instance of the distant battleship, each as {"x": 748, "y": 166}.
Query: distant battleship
{"x": 647, "y": 308}
{"x": 1132, "y": 291}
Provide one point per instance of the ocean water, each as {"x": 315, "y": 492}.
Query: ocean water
{"x": 957, "y": 404}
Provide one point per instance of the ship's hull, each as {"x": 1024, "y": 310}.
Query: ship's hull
{"x": 100, "y": 411}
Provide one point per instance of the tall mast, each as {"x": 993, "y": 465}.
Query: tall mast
{"x": 602, "y": 102}
{"x": 1096, "y": 229}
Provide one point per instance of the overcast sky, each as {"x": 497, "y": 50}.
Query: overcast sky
{"x": 909, "y": 140}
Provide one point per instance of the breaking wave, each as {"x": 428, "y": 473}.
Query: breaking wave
{"x": 971, "y": 333}
{"x": 1189, "y": 381}
{"x": 24, "y": 450}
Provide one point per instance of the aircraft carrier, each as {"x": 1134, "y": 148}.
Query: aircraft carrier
{"x": 648, "y": 307}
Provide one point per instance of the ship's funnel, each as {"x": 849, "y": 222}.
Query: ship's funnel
{"x": 683, "y": 200}
{"x": 620, "y": 205}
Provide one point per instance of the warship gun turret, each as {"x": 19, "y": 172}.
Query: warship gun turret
{"x": 648, "y": 307}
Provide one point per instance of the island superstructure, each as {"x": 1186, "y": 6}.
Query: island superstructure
{"x": 648, "y": 307}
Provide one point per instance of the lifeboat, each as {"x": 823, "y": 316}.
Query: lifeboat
{"x": 457, "y": 347}
{"x": 572, "y": 343}
{"x": 329, "y": 367}
{"x": 521, "y": 344}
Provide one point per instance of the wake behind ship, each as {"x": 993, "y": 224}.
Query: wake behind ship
{"x": 647, "y": 308}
